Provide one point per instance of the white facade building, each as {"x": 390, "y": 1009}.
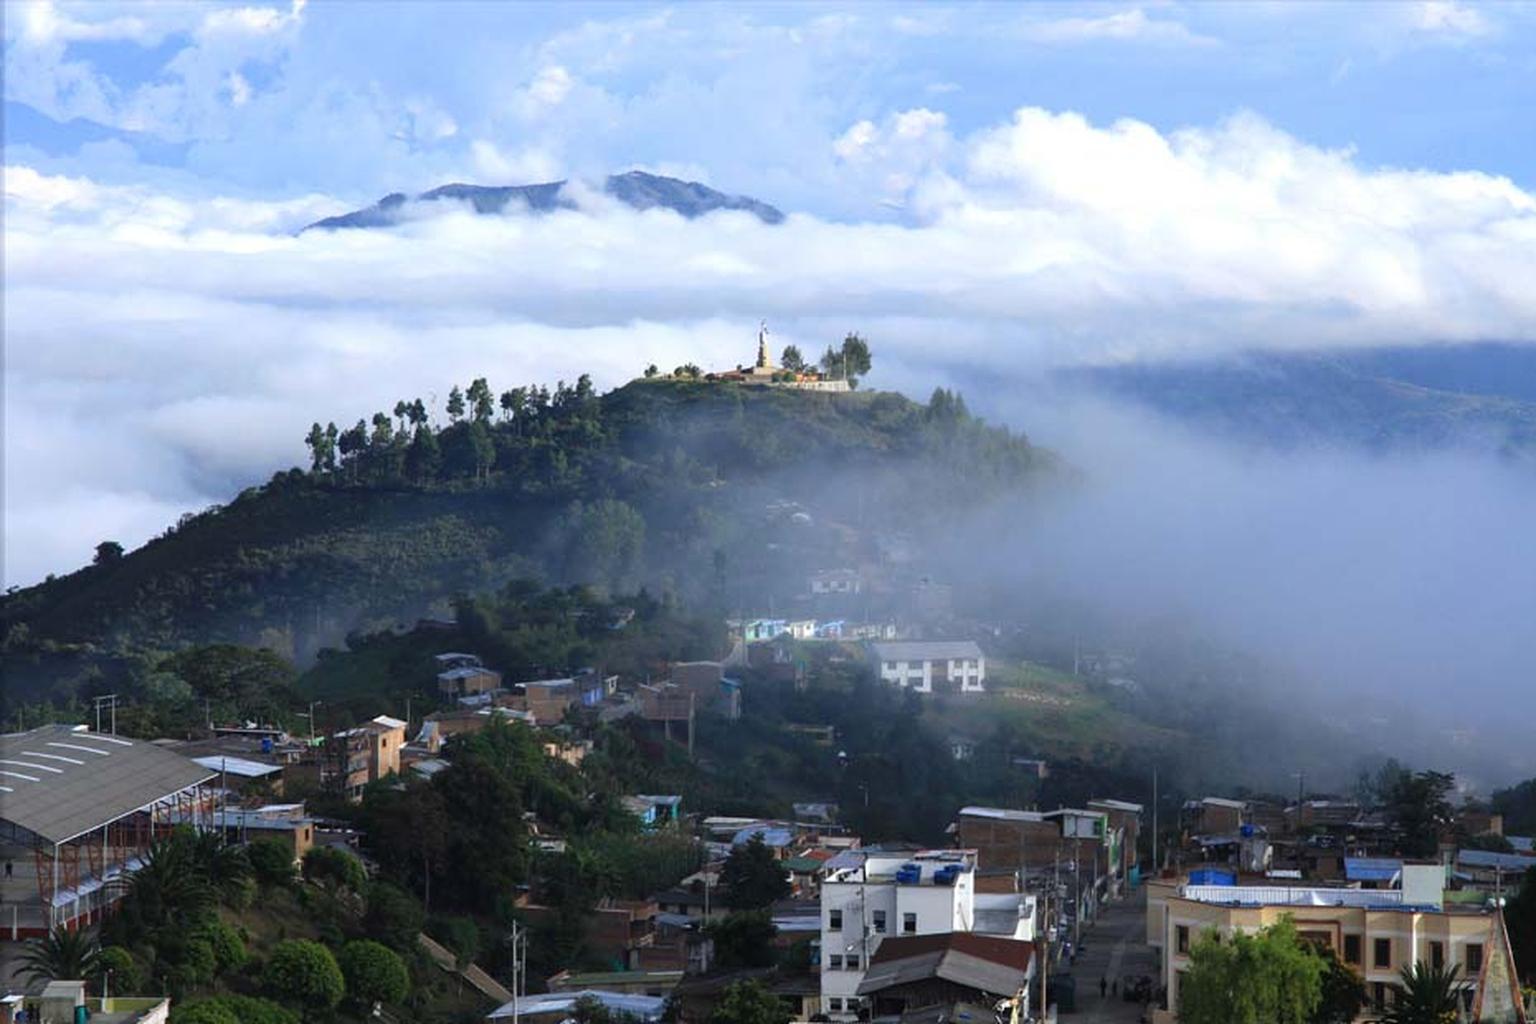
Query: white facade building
{"x": 926, "y": 665}
{"x": 837, "y": 581}
{"x": 922, "y": 893}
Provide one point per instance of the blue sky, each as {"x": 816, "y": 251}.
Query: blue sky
{"x": 353, "y": 100}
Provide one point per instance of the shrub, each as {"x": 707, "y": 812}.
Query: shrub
{"x": 271, "y": 860}
{"x": 460, "y": 934}
{"x": 206, "y": 1011}
{"x": 240, "y": 893}
{"x": 374, "y": 973}
{"x": 304, "y": 974}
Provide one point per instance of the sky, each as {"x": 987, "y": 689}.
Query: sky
{"x": 980, "y": 189}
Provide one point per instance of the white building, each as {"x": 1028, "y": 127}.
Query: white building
{"x": 875, "y": 895}
{"x": 837, "y": 581}
{"x": 926, "y": 665}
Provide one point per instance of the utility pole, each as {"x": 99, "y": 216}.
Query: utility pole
{"x": 1156, "y": 866}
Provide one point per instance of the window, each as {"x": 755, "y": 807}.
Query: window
{"x": 1474, "y": 958}
{"x": 878, "y": 917}
{"x": 1437, "y": 955}
{"x": 1181, "y": 938}
{"x": 1381, "y": 955}
{"x": 890, "y": 666}
{"x": 909, "y": 923}
{"x": 853, "y": 961}
{"x": 1352, "y": 949}
{"x": 835, "y": 920}
{"x": 835, "y": 1004}
{"x": 835, "y": 962}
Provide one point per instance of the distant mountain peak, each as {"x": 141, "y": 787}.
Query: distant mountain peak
{"x": 638, "y": 189}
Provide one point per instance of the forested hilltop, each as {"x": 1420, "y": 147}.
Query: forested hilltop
{"x": 709, "y": 492}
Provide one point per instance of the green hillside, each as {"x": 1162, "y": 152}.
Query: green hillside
{"x": 678, "y": 486}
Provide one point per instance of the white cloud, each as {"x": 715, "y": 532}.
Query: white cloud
{"x": 1123, "y": 26}
{"x": 205, "y": 338}
{"x": 1447, "y": 17}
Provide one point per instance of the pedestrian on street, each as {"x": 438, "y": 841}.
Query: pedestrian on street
{"x": 1114, "y": 989}
{"x": 7, "y": 869}
{"x": 1103, "y": 987}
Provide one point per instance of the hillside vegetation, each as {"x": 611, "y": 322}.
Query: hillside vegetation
{"x": 665, "y": 483}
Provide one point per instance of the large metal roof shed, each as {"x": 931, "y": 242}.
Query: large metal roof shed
{"x": 88, "y": 805}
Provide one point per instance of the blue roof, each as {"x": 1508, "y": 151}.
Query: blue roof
{"x": 1372, "y": 869}
{"x": 1490, "y": 859}
{"x": 775, "y": 837}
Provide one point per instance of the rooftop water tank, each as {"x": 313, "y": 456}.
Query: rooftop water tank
{"x": 909, "y": 874}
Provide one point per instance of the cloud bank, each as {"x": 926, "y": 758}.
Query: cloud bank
{"x": 164, "y": 351}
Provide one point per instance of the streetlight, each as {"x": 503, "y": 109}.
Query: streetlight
{"x": 310, "y": 714}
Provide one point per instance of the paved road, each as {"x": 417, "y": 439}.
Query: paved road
{"x": 1114, "y": 947}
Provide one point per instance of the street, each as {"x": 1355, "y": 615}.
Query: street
{"x": 1115, "y": 947}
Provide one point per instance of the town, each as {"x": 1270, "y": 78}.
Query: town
{"x": 137, "y": 868}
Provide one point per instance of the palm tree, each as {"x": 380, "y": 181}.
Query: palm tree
{"x": 1427, "y": 995}
{"x": 61, "y": 954}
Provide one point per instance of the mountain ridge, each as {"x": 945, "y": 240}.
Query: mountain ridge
{"x": 639, "y": 190}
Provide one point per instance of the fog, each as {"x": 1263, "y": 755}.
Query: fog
{"x": 1389, "y": 599}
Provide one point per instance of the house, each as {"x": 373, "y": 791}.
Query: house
{"x": 365, "y": 754}
{"x": 910, "y": 972}
{"x": 462, "y": 675}
{"x": 1124, "y": 816}
{"x": 630, "y": 983}
{"x": 1007, "y": 840}
{"x": 868, "y": 896}
{"x": 653, "y": 811}
{"x": 836, "y": 581}
{"x": 65, "y": 1002}
{"x": 1214, "y": 815}
{"x": 930, "y": 665}
{"x": 287, "y": 822}
{"x": 441, "y": 726}
{"x": 1375, "y": 931}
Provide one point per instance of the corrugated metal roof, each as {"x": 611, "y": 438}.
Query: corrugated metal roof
{"x": 1372, "y": 869}
{"x": 1492, "y": 859}
{"x": 240, "y": 766}
{"x": 646, "y": 1008}
{"x": 1001, "y": 814}
{"x": 990, "y": 964}
{"x": 926, "y": 650}
{"x": 59, "y": 783}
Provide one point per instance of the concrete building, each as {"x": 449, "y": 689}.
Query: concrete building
{"x": 928, "y": 666}
{"x": 836, "y": 581}
{"x": 367, "y": 753}
{"x": 1375, "y": 931}
{"x": 922, "y": 972}
{"x": 876, "y": 895}
{"x": 1125, "y": 817}
{"x": 462, "y": 675}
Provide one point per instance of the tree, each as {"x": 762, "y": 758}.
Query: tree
{"x": 224, "y": 942}
{"x": 1520, "y": 922}
{"x": 231, "y": 1008}
{"x": 108, "y": 552}
{"x": 651, "y": 371}
{"x": 743, "y": 939}
{"x": 394, "y": 916}
{"x": 334, "y": 866}
{"x": 61, "y": 954}
{"x": 1426, "y": 995}
{"x": 424, "y": 456}
{"x": 1265, "y": 978}
{"x": 688, "y": 370}
{"x": 122, "y": 969}
{"x": 753, "y": 876}
{"x": 792, "y": 359}
{"x": 1343, "y": 992}
{"x": 455, "y": 404}
{"x": 1419, "y": 809}
{"x": 749, "y": 1002}
{"x": 480, "y": 403}
{"x": 304, "y": 974}
{"x": 315, "y": 441}
{"x": 374, "y": 973}
{"x": 849, "y": 362}
{"x": 271, "y": 860}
